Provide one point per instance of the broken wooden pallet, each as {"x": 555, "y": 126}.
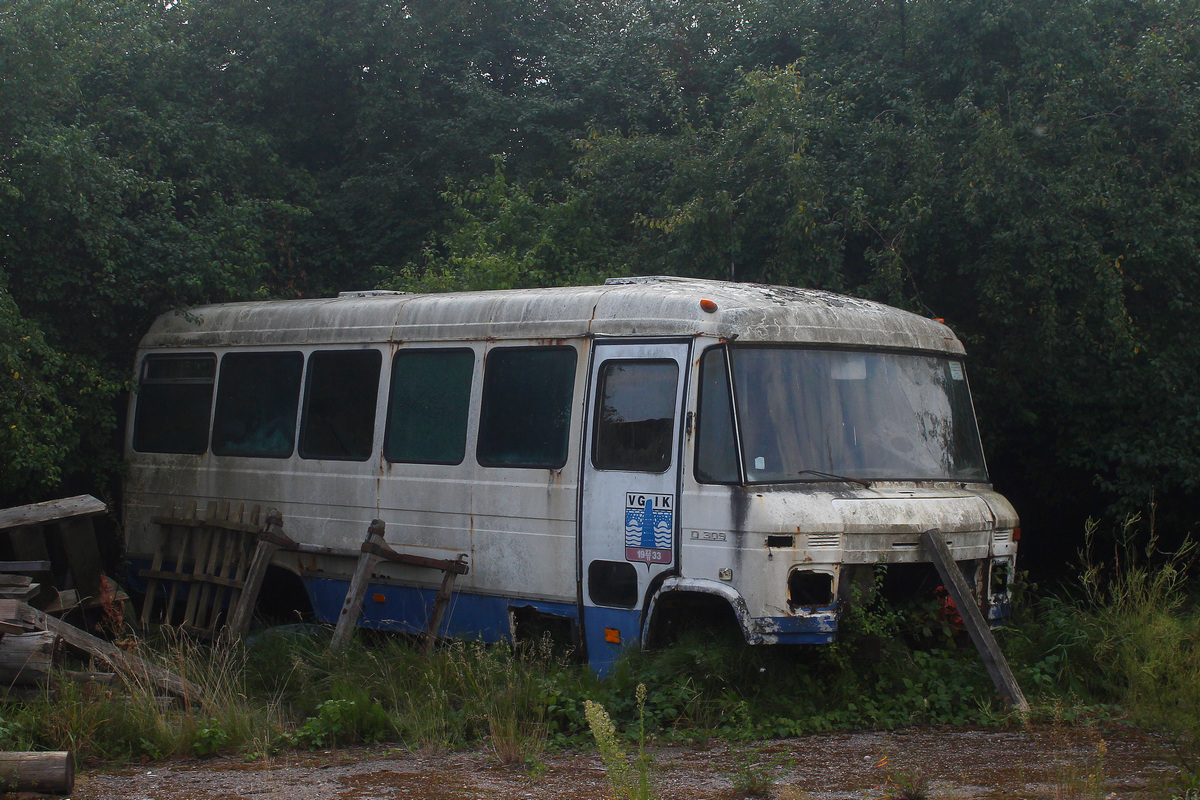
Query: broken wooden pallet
{"x": 202, "y": 562}
{"x": 54, "y": 540}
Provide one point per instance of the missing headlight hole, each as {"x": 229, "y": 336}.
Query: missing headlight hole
{"x": 808, "y": 589}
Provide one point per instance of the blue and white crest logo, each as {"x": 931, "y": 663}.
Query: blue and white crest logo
{"x": 649, "y": 527}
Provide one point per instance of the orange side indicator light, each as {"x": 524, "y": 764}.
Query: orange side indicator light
{"x": 708, "y": 305}
{"x": 612, "y": 636}
{"x": 378, "y": 598}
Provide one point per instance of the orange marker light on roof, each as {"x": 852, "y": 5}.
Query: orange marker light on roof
{"x": 708, "y": 305}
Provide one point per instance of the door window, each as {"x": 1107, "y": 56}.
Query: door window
{"x": 635, "y": 415}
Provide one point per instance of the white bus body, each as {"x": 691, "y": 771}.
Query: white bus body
{"x": 611, "y": 458}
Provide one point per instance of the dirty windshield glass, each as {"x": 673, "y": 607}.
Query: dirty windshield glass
{"x": 809, "y": 414}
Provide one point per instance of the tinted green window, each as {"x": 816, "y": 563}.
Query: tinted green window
{"x": 257, "y": 397}
{"x": 716, "y": 448}
{"x": 526, "y": 414}
{"x": 174, "y": 402}
{"x": 427, "y": 412}
{"x": 339, "y": 404}
{"x": 635, "y": 415}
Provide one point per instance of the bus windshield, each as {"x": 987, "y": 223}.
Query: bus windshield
{"x": 805, "y": 414}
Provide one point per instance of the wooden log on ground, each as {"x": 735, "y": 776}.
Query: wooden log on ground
{"x": 130, "y": 666}
{"x": 48, "y": 773}
{"x": 26, "y": 658}
{"x": 103, "y": 678}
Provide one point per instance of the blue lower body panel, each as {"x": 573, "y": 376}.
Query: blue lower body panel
{"x": 820, "y": 628}
{"x": 608, "y": 633}
{"x": 407, "y": 608}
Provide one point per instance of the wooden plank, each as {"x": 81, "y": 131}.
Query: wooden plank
{"x": 21, "y": 592}
{"x": 973, "y": 621}
{"x": 189, "y": 548}
{"x": 206, "y": 545}
{"x": 438, "y": 612}
{"x": 83, "y": 505}
{"x": 24, "y": 566}
{"x": 244, "y": 527}
{"x": 227, "y": 571}
{"x": 131, "y": 667}
{"x": 156, "y": 561}
{"x": 216, "y": 542}
{"x": 189, "y": 578}
{"x": 83, "y": 556}
{"x": 66, "y": 600}
{"x": 15, "y": 580}
{"x": 270, "y": 542}
{"x": 352, "y": 607}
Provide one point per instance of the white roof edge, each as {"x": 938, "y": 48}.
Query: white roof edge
{"x": 646, "y": 306}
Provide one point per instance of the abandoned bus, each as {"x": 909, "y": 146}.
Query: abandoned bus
{"x": 614, "y": 460}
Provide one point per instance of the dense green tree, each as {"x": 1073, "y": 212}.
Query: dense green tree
{"x": 121, "y": 195}
{"x": 1023, "y": 168}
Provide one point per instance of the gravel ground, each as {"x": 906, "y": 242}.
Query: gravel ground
{"x": 953, "y": 763}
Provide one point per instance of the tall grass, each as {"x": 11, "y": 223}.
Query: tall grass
{"x": 1128, "y": 635}
{"x": 132, "y": 719}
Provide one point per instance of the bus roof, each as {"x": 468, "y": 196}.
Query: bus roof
{"x": 651, "y": 307}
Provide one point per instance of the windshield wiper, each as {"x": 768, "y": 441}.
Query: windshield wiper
{"x": 832, "y": 477}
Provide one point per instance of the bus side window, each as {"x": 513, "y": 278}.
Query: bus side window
{"x": 340, "y": 394}
{"x": 174, "y": 403}
{"x": 525, "y": 417}
{"x": 257, "y": 398}
{"x": 428, "y": 406}
{"x": 716, "y": 448}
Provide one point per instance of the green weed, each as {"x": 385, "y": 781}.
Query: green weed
{"x": 629, "y": 780}
{"x": 902, "y": 783}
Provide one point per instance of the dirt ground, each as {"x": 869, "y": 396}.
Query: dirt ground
{"x": 955, "y": 763}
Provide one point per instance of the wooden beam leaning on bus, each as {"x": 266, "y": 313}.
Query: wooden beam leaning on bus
{"x": 374, "y": 550}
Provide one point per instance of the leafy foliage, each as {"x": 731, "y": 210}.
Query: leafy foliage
{"x": 1023, "y": 169}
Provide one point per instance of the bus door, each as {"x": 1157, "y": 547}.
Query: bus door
{"x": 630, "y": 487}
